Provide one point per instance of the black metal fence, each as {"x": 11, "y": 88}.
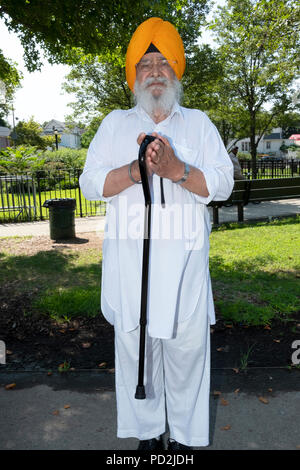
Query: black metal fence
{"x": 22, "y": 196}
{"x": 271, "y": 168}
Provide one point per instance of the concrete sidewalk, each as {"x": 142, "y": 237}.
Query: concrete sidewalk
{"x": 77, "y": 411}
{"x": 259, "y": 411}
{"x": 265, "y": 210}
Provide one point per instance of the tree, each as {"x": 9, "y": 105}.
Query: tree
{"x": 258, "y": 45}
{"x": 99, "y": 88}
{"x": 203, "y": 70}
{"x": 30, "y": 133}
{"x": 10, "y": 81}
{"x": 98, "y": 28}
{"x": 90, "y": 131}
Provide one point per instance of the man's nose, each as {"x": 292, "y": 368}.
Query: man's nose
{"x": 156, "y": 69}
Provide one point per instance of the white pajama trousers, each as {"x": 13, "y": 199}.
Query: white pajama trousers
{"x": 177, "y": 383}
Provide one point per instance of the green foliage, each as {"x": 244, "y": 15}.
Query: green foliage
{"x": 90, "y": 131}
{"x": 69, "y": 303}
{"x": 99, "y": 88}
{"x": 17, "y": 161}
{"x": 30, "y": 133}
{"x": 254, "y": 271}
{"x": 203, "y": 69}
{"x": 259, "y": 51}
{"x": 64, "y": 158}
{"x": 10, "y": 81}
{"x": 98, "y": 28}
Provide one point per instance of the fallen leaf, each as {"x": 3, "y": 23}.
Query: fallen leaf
{"x": 220, "y": 349}
{"x": 263, "y": 400}
{"x": 102, "y": 364}
{"x": 267, "y": 327}
{"x": 229, "y": 326}
{"x": 224, "y": 402}
{"x": 49, "y": 372}
{"x": 62, "y": 331}
{"x": 86, "y": 345}
{"x": 10, "y": 386}
{"x": 226, "y": 428}
{"x": 67, "y": 406}
{"x": 111, "y": 371}
{"x": 276, "y": 340}
{"x": 270, "y": 389}
{"x": 236, "y": 370}
{"x": 8, "y": 352}
{"x": 237, "y": 390}
{"x": 216, "y": 393}
{"x": 55, "y": 413}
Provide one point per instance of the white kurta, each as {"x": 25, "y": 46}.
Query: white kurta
{"x": 178, "y": 264}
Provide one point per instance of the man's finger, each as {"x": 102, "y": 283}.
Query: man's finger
{"x": 141, "y": 137}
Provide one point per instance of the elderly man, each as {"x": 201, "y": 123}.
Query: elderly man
{"x": 187, "y": 167}
{"x": 237, "y": 170}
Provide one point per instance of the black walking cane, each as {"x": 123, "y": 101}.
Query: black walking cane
{"x": 140, "y": 389}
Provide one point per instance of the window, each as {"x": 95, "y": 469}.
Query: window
{"x": 268, "y": 145}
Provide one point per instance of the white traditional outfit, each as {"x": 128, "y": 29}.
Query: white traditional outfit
{"x": 180, "y": 301}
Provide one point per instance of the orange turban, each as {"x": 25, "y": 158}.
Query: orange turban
{"x": 165, "y": 37}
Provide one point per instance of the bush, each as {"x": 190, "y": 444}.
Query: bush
{"x": 65, "y": 158}
{"x": 19, "y": 160}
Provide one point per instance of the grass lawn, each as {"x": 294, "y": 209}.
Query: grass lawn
{"x": 254, "y": 271}
{"x": 35, "y": 208}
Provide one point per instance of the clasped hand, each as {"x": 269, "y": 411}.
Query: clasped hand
{"x": 161, "y": 159}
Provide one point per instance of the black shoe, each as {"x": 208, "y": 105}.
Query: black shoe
{"x": 151, "y": 445}
{"x": 177, "y": 447}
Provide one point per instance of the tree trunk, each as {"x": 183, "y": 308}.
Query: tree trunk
{"x": 253, "y": 143}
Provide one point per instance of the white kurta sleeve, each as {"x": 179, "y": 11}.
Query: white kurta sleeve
{"x": 217, "y": 166}
{"x": 98, "y": 163}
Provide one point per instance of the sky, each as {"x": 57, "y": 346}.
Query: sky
{"x": 41, "y": 95}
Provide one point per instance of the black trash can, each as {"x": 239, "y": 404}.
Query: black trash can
{"x": 61, "y": 217}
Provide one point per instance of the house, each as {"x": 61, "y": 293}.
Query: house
{"x": 70, "y": 137}
{"x": 4, "y": 137}
{"x": 269, "y": 144}
{"x": 295, "y": 139}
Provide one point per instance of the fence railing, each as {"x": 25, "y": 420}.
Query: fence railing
{"x": 22, "y": 196}
{"x": 271, "y": 169}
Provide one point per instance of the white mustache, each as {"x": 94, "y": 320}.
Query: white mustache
{"x": 151, "y": 80}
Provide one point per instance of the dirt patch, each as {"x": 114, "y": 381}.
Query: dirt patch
{"x": 33, "y": 245}
{"x": 36, "y": 342}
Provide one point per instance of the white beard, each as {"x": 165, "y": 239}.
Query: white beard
{"x": 158, "y": 104}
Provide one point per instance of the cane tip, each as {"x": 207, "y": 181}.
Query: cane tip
{"x": 140, "y": 392}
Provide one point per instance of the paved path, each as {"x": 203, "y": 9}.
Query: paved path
{"x": 79, "y": 412}
{"x": 264, "y": 210}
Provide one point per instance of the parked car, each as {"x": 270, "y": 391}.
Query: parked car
{"x": 270, "y": 160}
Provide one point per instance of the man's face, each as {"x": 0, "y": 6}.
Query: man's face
{"x": 154, "y": 72}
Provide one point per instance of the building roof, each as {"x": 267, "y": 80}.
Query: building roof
{"x": 4, "y": 131}
{"x": 273, "y": 136}
{"x": 294, "y": 137}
